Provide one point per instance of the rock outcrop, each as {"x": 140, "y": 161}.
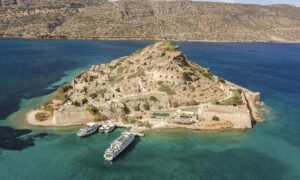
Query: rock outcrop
{"x": 148, "y": 19}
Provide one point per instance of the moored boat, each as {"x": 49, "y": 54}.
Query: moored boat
{"x": 118, "y": 145}
{"x": 88, "y": 129}
{"x": 107, "y": 128}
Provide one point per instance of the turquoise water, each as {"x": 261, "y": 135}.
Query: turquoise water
{"x": 31, "y": 69}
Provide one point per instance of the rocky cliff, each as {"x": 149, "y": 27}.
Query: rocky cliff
{"x": 145, "y": 19}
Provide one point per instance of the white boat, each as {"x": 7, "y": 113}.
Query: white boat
{"x": 118, "y": 145}
{"x": 107, "y": 128}
{"x": 88, "y": 129}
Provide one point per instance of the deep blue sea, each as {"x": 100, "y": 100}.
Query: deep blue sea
{"x": 30, "y": 70}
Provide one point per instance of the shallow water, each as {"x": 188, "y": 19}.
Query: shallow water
{"x": 31, "y": 69}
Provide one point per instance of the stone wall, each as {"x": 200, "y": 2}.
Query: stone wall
{"x": 237, "y": 115}
{"x": 253, "y": 100}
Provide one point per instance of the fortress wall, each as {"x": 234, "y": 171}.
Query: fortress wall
{"x": 238, "y": 116}
{"x": 253, "y": 99}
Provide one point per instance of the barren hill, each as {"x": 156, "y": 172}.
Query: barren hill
{"x": 146, "y": 19}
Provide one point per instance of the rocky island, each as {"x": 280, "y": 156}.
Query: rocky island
{"x": 156, "y": 87}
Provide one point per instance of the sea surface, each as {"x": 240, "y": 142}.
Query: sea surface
{"x": 30, "y": 70}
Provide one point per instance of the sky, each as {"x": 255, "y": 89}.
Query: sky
{"x": 264, "y": 2}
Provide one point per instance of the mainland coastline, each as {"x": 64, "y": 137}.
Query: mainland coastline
{"x": 149, "y": 20}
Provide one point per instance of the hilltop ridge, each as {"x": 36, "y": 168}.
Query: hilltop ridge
{"x": 156, "y": 87}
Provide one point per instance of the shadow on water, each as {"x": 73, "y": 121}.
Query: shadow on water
{"x": 11, "y": 139}
{"x": 18, "y": 139}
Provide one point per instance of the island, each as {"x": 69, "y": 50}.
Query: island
{"x": 156, "y": 87}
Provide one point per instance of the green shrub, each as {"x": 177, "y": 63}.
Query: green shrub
{"x": 120, "y": 70}
{"x": 127, "y": 119}
{"x": 146, "y": 106}
{"x": 102, "y": 92}
{"x": 119, "y": 63}
{"x": 167, "y": 46}
{"x": 192, "y": 88}
{"x": 192, "y": 103}
{"x": 221, "y": 80}
{"x": 215, "y": 118}
{"x": 137, "y": 107}
{"x": 235, "y": 100}
{"x": 62, "y": 92}
{"x": 93, "y": 95}
{"x": 49, "y": 108}
{"x": 76, "y": 103}
{"x": 207, "y": 75}
{"x": 92, "y": 78}
{"x": 65, "y": 88}
{"x": 84, "y": 101}
{"x": 126, "y": 109}
{"x": 111, "y": 67}
{"x": 85, "y": 89}
{"x": 100, "y": 117}
{"x": 174, "y": 104}
{"x": 162, "y": 114}
{"x": 92, "y": 109}
{"x": 61, "y": 96}
{"x": 118, "y": 89}
{"x": 166, "y": 89}
{"x": 186, "y": 77}
{"x": 41, "y": 116}
{"x": 153, "y": 98}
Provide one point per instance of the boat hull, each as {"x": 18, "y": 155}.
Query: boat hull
{"x": 90, "y": 132}
{"x": 123, "y": 147}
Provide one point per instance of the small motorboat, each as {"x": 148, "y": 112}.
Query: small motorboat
{"x": 88, "y": 129}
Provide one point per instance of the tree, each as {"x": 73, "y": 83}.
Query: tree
{"x": 215, "y": 118}
{"x": 93, "y": 95}
{"x": 92, "y": 109}
{"x": 153, "y": 98}
{"x": 137, "y": 107}
{"x": 76, "y": 103}
{"x": 146, "y": 106}
{"x": 84, "y": 101}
